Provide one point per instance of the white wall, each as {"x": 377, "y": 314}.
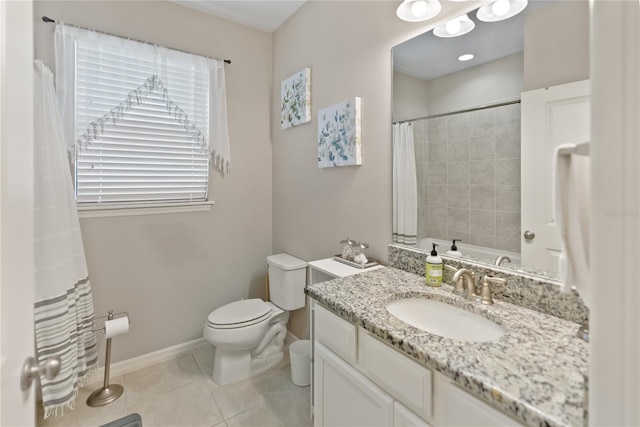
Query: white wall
{"x": 556, "y": 44}
{"x": 348, "y": 45}
{"x": 484, "y": 84}
{"x": 410, "y": 97}
{"x": 169, "y": 271}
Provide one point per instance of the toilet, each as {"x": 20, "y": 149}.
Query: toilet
{"x": 248, "y": 335}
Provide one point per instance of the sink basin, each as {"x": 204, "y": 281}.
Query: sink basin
{"x": 443, "y": 319}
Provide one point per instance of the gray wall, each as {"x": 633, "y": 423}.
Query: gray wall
{"x": 410, "y": 97}
{"x": 556, "y": 44}
{"x": 348, "y": 45}
{"x": 169, "y": 271}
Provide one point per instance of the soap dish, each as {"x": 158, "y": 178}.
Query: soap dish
{"x": 370, "y": 263}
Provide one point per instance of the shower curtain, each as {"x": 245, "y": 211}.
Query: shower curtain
{"x": 405, "y": 194}
{"x": 63, "y": 308}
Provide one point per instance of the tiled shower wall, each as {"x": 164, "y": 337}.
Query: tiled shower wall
{"x": 468, "y": 173}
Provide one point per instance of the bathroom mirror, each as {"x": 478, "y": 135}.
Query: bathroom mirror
{"x": 466, "y": 122}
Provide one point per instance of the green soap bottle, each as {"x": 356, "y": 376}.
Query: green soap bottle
{"x": 434, "y": 267}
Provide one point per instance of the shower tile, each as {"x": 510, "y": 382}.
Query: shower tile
{"x": 507, "y": 172}
{"x": 482, "y": 197}
{"x": 512, "y": 245}
{"x": 482, "y": 147}
{"x": 457, "y": 126}
{"x": 458, "y": 196}
{"x": 438, "y": 151}
{"x": 191, "y": 404}
{"x": 482, "y": 172}
{"x": 508, "y": 119}
{"x": 438, "y": 196}
{"x": 508, "y": 225}
{"x": 437, "y": 233}
{"x": 458, "y": 220}
{"x": 458, "y": 173}
{"x": 508, "y": 146}
{"x": 508, "y": 198}
{"x": 458, "y": 149}
{"x": 482, "y": 222}
{"x": 437, "y": 129}
{"x": 437, "y": 218}
{"x": 482, "y": 122}
{"x": 482, "y": 240}
{"x": 437, "y": 173}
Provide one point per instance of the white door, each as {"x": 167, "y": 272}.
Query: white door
{"x": 550, "y": 117}
{"x": 16, "y": 209}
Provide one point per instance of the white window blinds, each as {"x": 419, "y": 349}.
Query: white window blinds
{"x": 140, "y": 120}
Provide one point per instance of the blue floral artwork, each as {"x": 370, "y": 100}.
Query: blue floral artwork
{"x": 339, "y": 141}
{"x": 295, "y": 99}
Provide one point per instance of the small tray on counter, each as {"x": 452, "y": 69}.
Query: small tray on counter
{"x": 370, "y": 263}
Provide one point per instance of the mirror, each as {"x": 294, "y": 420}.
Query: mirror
{"x": 466, "y": 122}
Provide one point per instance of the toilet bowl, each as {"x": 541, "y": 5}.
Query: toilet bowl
{"x": 248, "y": 335}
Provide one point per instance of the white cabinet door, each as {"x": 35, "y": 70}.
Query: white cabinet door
{"x": 344, "y": 397}
{"x": 464, "y": 409}
{"x": 403, "y": 417}
{"x": 550, "y": 117}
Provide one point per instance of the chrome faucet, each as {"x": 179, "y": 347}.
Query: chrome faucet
{"x": 501, "y": 259}
{"x": 461, "y": 278}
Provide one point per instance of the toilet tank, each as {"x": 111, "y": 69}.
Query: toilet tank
{"x": 287, "y": 279}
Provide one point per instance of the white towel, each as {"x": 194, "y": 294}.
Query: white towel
{"x": 571, "y": 202}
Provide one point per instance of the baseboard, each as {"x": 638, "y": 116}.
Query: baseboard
{"x": 146, "y": 360}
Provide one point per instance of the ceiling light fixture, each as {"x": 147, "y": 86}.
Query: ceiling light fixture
{"x": 466, "y": 57}
{"x": 500, "y": 10}
{"x": 418, "y": 10}
{"x": 456, "y": 27}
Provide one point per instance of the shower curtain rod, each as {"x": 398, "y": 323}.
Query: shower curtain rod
{"x": 53, "y": 21}
{"x": 468, "y": 110}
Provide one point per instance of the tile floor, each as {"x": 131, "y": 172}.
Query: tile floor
{"x": 181, "y": 393}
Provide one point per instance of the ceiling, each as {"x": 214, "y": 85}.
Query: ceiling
{"x": 266, "y": 15}
{"x": 427, "y": 56}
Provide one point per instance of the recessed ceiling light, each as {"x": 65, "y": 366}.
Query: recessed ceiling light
{"x": 418, "y": 10}
{"x": 466, "y": 57}
{"x": 500, "y": 10}
{"x": 456, "y": 27}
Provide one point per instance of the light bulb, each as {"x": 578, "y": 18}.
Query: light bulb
{"x": 419, "y": 8}
{"x": 453, "y": 26}
{"x": 501, "y": 7}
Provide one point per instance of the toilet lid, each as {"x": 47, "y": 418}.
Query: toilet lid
{"x": 239, "y": 312}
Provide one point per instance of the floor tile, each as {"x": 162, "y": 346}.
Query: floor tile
{"x": 84, "y": 415}
{"x": 161, "y": 378}
{"x": 204, "y": 359}
{"x": 233, "y": 399}
{"x": 275, "y": 410}
{"x": 189, "y": 405}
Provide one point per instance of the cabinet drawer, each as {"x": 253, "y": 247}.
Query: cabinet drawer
{"x": 336, "y": 333}
{"x": 404, "y": 379}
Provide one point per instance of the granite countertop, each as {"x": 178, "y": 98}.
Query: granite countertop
{"x": 536, "y": 371}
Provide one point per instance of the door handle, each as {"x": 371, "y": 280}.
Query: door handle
{"x": 529, "y": 235}
{"x": 30, "y": 370}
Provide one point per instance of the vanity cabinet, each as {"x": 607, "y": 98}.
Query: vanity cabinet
{"x": 359, "y": 380}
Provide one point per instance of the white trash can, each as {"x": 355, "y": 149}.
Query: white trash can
{"x": 300, "y": 356}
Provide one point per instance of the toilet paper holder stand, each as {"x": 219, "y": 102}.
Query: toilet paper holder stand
{"x": 108, "y": 392}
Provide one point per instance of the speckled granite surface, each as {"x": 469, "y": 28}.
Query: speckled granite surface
{"x": 526, "y": 290}
{"x": 536, "y": 371}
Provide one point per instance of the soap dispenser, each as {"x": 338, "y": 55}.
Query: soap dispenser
{"x": 433, "y": 269}
{"x": 454, "y": 249}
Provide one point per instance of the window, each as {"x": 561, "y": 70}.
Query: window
{"x": 139, "y": 115}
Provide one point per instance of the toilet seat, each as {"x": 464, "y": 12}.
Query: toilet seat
{"x": 239, "y": 314}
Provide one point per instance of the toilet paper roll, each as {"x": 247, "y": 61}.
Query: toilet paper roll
{"x": 116, "y": 327}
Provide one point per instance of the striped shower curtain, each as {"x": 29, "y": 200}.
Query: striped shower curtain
{"x": 63, "y": 303}
{"x": 405, "y": 192}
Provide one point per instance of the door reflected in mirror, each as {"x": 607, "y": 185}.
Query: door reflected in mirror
{"x": 469, "y": 148}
